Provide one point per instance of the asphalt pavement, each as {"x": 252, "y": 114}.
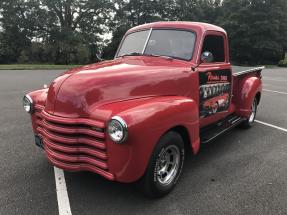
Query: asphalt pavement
{"x": 242, "y": 172}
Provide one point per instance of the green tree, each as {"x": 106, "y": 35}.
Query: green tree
{"x": 135, "y": 12}
{"x": 127, "y": 14}
{"x": 15, "y": 36}
{"x": 73, "y": 31}
{"x": 73, "y": 23}
{"x": 255, "y": 29}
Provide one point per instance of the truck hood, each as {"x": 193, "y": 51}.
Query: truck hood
{"x": 79, "y": 91}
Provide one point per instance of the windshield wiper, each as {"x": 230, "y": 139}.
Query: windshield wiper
{"x": 151, "y": 55}
{"x": 132, "y": 54}
{"x": 163, "y": 56}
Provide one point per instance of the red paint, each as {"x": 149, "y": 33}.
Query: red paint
{"x": 153, "y": 95}
{"x": 216, "y": 102}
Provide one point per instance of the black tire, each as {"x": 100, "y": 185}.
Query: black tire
{"x": 151, "y": 183}
{"x": 248, "y": 123}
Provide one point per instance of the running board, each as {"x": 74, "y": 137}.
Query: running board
{"x": 209, "y": 133}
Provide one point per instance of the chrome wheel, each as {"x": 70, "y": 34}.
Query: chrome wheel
{"x": 167, "y": 165}
{"x": 253, "y": 113}
{"x": 248, "y": 122}
{"x": 215, "y": 108}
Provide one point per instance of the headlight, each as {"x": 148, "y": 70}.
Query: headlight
{"x": 28, "y": 104}
{"x": 118, "y": 129}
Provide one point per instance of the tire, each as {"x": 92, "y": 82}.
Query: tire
{"x": 248, "y": 123}
{"x": 161, "y": 176}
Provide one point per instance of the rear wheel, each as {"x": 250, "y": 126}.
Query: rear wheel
{"x": 164, "y": 167}
{"x": 215, "y": 108}
{"x": 250, "y": 121}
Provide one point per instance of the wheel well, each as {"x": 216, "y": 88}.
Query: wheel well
{"x": 185, "y": 136}
{"x": 258, "y": 97}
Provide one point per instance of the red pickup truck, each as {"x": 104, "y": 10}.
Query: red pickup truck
{"x": 169, "y": 89}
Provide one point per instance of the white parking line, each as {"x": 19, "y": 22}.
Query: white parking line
{"x": 274, "y": 91}
{"x": 62, "y": 194}
{"x": 272, "y": 126}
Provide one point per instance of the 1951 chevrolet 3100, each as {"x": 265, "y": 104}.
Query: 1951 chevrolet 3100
{"x": 169, "y": 89}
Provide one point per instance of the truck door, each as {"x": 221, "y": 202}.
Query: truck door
{"x": 214, "y": 79}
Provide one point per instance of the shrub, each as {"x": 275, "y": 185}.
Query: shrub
{"x": 283, "y": 63}
{"x": 24, "y": 57}
{"x": 82, "y": 55}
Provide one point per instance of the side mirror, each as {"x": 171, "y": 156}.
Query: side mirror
{"x": 207, "y": 57}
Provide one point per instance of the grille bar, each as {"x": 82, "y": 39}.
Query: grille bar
{"x": 80, "y": 167}
{"x": 68, "y": 121}
{"x": 74, "y": 130}
{"x": 38, "y": 114}
{"x": 76, "y": 158}
{"x": 75, "y": 149}
{"x": 73, "y": 144}
{"x": 71, "y": 140}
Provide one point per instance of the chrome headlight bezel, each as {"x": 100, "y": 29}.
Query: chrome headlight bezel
{"x": 123, "y": 128}
{"x": 30, "y": 107}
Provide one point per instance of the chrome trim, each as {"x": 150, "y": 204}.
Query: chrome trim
{"x": 125, "y": 128}
{"x": 31, "y": 103}
{"x": 249, "y": 70}
{"x": 253, "y": 113}
{"x": 146, "y": 42}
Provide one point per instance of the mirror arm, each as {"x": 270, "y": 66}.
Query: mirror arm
{"x": 195, "y": 67}
{"x": 99, "y": 58}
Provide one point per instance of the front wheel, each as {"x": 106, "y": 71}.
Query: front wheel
{"x": 164, "y": 167}
{"x": 250, "y": 121}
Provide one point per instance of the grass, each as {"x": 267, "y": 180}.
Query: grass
{"x": 35, "y": 67}
{"x": 270, "y": 66}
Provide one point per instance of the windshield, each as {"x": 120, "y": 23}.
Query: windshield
{"x": 159, "y": 42}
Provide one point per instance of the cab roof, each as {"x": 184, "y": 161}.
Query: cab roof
{"x": 201, "y": 26}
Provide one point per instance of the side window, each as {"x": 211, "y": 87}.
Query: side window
{"x": 215, "y": 45}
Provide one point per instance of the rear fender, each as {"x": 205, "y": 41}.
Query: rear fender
{"x": 148, "y": 120}
{"x": 249, "y": 87}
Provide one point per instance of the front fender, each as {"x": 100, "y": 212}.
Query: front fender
{"x": 249, "y": 86}
{"x": 148, "y": 120}
{"x": 39, "y": 99}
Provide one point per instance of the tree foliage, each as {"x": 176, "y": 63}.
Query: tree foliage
{"x": 257, "y": 30}
{"x": 75, "y": 31}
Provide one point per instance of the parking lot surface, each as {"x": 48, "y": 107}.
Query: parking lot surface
{"x": 242, "y": 172}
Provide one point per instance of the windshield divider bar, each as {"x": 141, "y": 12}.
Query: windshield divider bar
{"x": 146, "y": 42}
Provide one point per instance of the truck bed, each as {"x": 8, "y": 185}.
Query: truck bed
{"x": 240, "y": 70}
